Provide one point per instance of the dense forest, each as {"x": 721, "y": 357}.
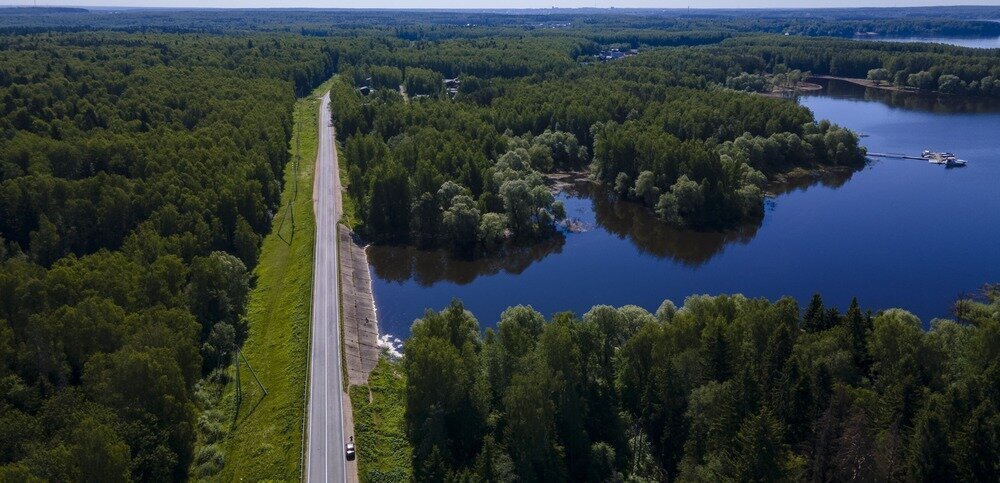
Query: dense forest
{"x": 141, "y": 162}
{"x": 137, "y": 176}
{"x": 659, "y": 128}
{"x": 722, "y": 389}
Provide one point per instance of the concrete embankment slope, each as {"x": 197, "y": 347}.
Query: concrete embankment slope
{"x": 360, "y": 324}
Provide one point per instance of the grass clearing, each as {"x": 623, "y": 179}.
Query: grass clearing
{"x": 265, "y": 438}
{"x": 379, "y": 425}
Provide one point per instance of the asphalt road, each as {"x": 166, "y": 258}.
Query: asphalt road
{"x": 325, "y": 461}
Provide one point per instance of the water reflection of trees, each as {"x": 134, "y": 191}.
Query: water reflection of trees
{"x": 915, "y": 101}
{"x": 652, "y": 236}
{"x": 427, "y": 267}
{"x": 692, "y": 248}
{"x": 621, "y": 218}
{"x": 834, "y": 178}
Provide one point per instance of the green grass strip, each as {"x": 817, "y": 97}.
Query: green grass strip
{"x": 379, "y": 426}
{"x": 265, "y": 442}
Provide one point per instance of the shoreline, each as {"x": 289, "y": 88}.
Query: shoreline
{"x": 563, "y": 181}
{"x": 785, "y": 91}
{"x": 797, "y": 177}
{"x": 559, "y": 181}
{"x": 887, "y": 86}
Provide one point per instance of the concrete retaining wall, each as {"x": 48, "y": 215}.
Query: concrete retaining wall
{"x": 360, "y": 325}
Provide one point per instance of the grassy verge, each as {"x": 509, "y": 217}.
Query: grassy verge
{"x": 379, "y": 431}
{"x": 265, "y": 437}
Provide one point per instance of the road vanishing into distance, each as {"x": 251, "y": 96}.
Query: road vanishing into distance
{"x": 325, "y": 460}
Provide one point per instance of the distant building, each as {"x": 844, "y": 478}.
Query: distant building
{"x": 452, "y": 85}
{"x": 614, "y": 54}
{"x": 366, "y": 89}
{"x": 611, "y": 54}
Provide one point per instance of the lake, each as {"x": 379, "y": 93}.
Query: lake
{"x": 976, "y": 43}
{"x": 897, "y": 233}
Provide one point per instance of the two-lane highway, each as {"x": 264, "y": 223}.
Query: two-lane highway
{"x": 325, "y": 461}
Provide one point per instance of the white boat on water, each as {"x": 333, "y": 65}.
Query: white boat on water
{"x": 954, "y": 163}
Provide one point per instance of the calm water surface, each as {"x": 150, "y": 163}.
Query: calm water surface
{"x": 898, "y": 233}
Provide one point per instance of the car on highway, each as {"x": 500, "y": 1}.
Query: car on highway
{"x": 350, "y": 450}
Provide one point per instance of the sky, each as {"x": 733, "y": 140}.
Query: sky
{"x": 500, "y": 3}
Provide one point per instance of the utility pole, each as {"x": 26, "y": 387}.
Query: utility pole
{"x": 252, "y": 373}
{"x": 295, "y": 188}
{"x": 239, "y": 386}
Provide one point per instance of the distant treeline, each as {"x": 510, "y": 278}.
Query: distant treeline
{"x": 921, "y": 27}
{"x": 591, "y": 23}
{"x": 944, "y": 68}
{"x": 722, "y": 389}
{"x": 39, "y": 10}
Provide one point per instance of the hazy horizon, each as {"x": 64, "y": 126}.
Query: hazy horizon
{"x": 503, "y": 4}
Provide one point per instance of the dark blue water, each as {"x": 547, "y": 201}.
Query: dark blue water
{"x": 898, "y": 233}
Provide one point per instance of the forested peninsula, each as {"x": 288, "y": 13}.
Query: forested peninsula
{"x": 461, "y": 163}
{"x": 465, "y": 168}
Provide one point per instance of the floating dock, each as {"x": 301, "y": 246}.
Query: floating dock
{"x": 894, "y": 155}
{"x": 947, "y": 159}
